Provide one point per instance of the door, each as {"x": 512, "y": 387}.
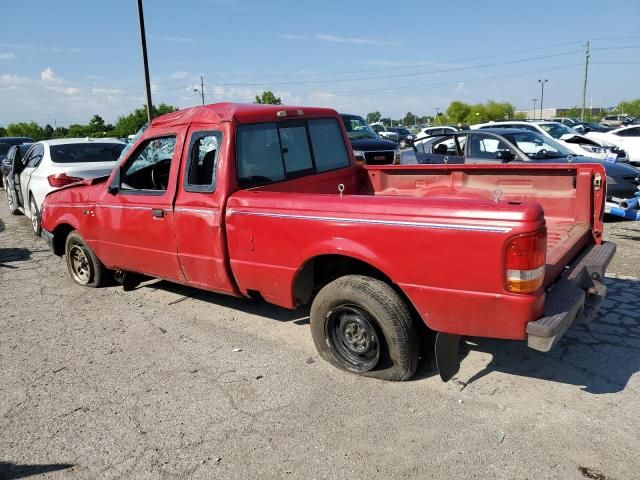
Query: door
{"x": 135, "y": 227}
{"x": 485, "y": 148}
{"x": 440, "y": 149}
{"x": 31, "y": 161}
{"x": 199, "y": 214}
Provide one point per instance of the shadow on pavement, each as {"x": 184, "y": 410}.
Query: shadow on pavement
{"x": 600, "y": 356}
{"x": 8, "y": 255}
{"x": 299, "y": 316}
{"x": 9, "y": 471}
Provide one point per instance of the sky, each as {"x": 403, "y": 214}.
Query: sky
{"x": 62, "y": 62}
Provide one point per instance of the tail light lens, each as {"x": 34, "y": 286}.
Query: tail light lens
{"x": 525, "y": 262}
{"x": 61, "y": 179}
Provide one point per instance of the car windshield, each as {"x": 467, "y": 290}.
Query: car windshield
{"x": 557, "y": 130}
{"x": 85, "y": 152}
{"x": 357, "y": 127}
{"x": 535, "y": 145}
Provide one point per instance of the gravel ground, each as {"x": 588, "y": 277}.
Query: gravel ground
{"x": 171, "y": 382}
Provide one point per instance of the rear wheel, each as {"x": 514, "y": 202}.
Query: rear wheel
{"x": 362, "y": 325}
{"x": 84, "y": 267}
{"x": 35, "y": 217}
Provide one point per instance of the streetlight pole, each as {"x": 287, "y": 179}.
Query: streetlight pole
{"x": 437, "y": 115}
{"x": 542, "y": 82}
{"x": 201, "y": 90}
{"x": 143, "y": 42}
{"x": 534, "y": 100}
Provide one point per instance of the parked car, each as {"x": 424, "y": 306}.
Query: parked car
{"x": 569, "y": 122}
{"x": 384, "y": 132}
{"x": 368, "y": 147}
{"x": 572, "y": 140}
{"x": 509, "y": 145}
{"x": 626, "y": 138}
{"x": 5, "y": 144}
{"x": 14, "y": 165}
{"x": 432, "y": 131}
{"x": 405, "y": 137}
{"x": 616, "y": 121}
{"x": 51, "y": 164}
{"x": 585, "y": 127}
{"x": 267, "y": 202}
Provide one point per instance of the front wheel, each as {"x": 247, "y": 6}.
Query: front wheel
{"x": 362, "y": 325}
{"x": 84, "y": 267}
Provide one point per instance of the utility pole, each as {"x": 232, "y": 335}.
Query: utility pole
{"x": 533, "y": 114}
{"x": 586, "y": 75}
{"x": 143, "y": 42}
{"x": 201, "y": 91}
{"x": 437, "y": 119}
{"x": 542, "y": 82}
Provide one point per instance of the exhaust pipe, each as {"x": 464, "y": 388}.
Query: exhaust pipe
{"x": 626, "y": 213}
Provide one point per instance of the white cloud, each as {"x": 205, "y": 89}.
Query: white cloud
{"x": 71, "y": 91}
{"x": 352, "y": 40}
{"x": 181, "y": 75}
{"x": 40, "y": 48}
{"x": 49, "y": 75}
{"x": 7, "y": 56}
{"x": 173, "y": 39}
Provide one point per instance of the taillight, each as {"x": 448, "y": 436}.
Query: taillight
{"x": 525, "y": 262}
{"x": 61, "y": 179}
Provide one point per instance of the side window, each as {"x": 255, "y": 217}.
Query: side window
{"x": 35, "y": 156}
{"x": 203, "y": 158}
{"x": 485, "y": 146}
{"x": 258, "y": 155}
{"x": 629, "y": 132}
{"x": 148, "y": 168}
{"x": 328, "y": 145}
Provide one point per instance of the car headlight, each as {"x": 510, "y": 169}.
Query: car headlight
{"x": 396, "y": 157}
{"x": 591, "y": 148}
{"x": 359, "y": 154}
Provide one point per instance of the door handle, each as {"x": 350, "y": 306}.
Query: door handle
{"x": 157, "y": 212}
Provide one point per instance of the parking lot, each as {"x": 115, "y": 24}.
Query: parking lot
{"x": 171, "y": 382}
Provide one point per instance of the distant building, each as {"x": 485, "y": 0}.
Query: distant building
{"x": 549, "y": 113}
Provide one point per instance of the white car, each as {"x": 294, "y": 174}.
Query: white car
{"x": 381, "y": 130}
{"x": 431, "y": 131}
{"x": 568, "y": 137}
{"x": 627, "y": 138}
{"x": 51, "y": 164}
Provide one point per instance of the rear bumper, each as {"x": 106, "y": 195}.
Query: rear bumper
{"x": 575, "y": 297}
{"x": 48, "y": 236}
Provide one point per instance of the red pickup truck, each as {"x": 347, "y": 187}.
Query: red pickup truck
{"x": 267, "y": 202}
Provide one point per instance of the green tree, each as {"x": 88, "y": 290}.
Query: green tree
{"x": 25, "y": 129}
{"x": 409, "y": 119}
{"x": 268, "y": 98}
{"x": 132, "y": 122}
{"x": 96, "y": 125}
{"x": 48, "y": 131}
{"x": 373, "y": 117}
{"x": 3, "y": 132}
{"x": 630, "y": 107}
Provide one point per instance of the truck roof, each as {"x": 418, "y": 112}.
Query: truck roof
{"x": 238, "y": 112}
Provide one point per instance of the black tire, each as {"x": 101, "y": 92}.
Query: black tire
{"x": 35, "y": 217}
{"x": 12, "y": 201}
{"x": 341, "y": 316}
{"x": 84, "y": 267}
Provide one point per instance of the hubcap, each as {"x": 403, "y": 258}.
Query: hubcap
{"x": 34, "y": 216}
{"x": 352, "y": 335}
{"x": 80, "y": 265}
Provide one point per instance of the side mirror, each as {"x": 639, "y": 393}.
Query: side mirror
{"x": 505, "y": 155}
{"x": 114, "y": 186}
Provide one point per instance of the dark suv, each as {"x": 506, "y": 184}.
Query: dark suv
{"x": 368, "y": 146}
{"x": 405, "y": 137}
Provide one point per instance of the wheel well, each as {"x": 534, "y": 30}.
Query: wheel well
{"x": 320, "y": 270}
{"x": 60, "y": 234}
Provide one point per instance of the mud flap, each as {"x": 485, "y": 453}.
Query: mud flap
{"x": 447, "y": 355}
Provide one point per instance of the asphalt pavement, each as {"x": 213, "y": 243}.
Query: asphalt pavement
{"x": 172, "y": 382}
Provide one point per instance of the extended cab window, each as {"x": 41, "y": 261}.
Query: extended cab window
{"x": 148, "y": 168}
{"x": 272, "y": 152}
{"x": 203, "y": 155}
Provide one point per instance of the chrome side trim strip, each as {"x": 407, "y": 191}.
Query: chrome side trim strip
{"x": 198, "y": 211}
{"x": 129, "y": 207}
{"x": 444, "y": 226}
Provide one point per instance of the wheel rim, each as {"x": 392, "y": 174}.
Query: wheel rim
{"x": 80, "y": 264}
{"x": 35, "y": 221}
{"x": 352, "y": 335}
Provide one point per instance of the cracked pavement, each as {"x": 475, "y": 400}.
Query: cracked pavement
{"x": 171, "y": 382}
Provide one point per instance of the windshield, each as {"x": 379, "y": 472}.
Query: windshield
{"x": 85, "y": 152}
{"x": 557, "y": 130}
{"x": 357, "y": 127}
{"x": 535, "y": 145}
{"x": 132, "y": 141}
